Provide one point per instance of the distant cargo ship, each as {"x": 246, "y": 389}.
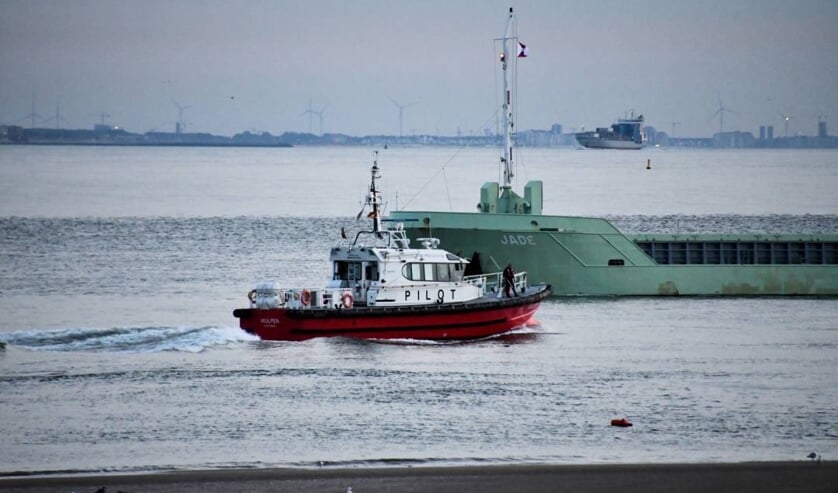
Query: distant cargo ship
{"x": 586, "y": 256}
{"x": 627, "y": 133}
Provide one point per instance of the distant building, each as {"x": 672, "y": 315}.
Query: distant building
{"x": 535, "y": 138}
{"x": 733, "y": 139}
{"x": 652, "y": 138}
{"x": 11, "y": 134}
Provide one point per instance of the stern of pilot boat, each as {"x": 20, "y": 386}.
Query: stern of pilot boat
{"x": 267, "y": 324}
{"x": 265, "y": 317}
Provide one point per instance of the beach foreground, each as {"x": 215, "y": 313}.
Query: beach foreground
{"x": 740, "y": 477}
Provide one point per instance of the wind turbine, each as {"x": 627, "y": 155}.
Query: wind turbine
{"x": 673, "y": 127}
{"x": 320, "y": 116}
{"x": 32, "y": 114}
{"x": 57, "y": 118}
{"x": 180, "y": 125}
{"x": 401, "y": 113}
{"x": 721, "y": 112}
{"x": 310, "y": 112}
{"x": 102, "y": 117}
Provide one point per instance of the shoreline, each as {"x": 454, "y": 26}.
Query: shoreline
{"x": 740, "y": 477}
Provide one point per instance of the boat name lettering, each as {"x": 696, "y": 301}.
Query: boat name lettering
{"x": 426, "y": 295}
{"x": 517, "y": 240}
{"x": 270, "y": 321}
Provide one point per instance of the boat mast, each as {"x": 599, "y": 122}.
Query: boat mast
{"x": 374, "y": 198}
{"x": 508, "y": 122}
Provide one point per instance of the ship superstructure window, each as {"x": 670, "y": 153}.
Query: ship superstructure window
{"x": 433, "y": 272}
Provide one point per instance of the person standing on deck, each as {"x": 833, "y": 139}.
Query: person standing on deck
{"x": 509, "y": 281}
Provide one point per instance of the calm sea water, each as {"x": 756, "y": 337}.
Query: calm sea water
{"x": 120, "y": 268}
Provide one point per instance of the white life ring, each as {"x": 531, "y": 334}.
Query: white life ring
{"x": 347, "y": 299}
{"x": 305, "y": 297}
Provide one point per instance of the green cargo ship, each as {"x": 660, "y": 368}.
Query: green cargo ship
{"x": 581, "y": 256}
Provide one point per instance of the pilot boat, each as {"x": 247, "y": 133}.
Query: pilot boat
{"x": 381, "y": 288}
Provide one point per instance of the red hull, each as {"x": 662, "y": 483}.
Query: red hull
{"x": 440, "y": 322}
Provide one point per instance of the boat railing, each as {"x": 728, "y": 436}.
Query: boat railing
{"x": 302, "y": 298}
{"x": 389, "y": 238}
{"x": 493, "y": 282}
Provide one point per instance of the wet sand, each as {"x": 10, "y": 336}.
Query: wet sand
{"x": 800, "y": 476}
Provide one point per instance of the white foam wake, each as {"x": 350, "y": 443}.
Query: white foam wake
{"x": 127, "y": 339}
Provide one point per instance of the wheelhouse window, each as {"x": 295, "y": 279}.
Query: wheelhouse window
{"x": 347, "y": 271}
{"x": 444, "y": 272}
{"x": 457, "y": 271}
{"x": 371, "y": 272}
{"x": 429, "y": 272}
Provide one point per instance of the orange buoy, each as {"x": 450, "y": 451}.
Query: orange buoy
{"x": 622, "y": 422}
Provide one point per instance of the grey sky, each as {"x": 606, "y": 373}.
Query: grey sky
{"x": 244, "y": 65}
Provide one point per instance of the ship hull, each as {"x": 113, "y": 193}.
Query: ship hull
{"x": 476, "y": 319}
{"x": 590, "y": 257}
{"x": 611, "y": 144}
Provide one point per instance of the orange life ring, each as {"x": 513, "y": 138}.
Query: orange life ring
{"x": 347, "y": 299}
{"x": 305, "y": 297}
{"x": 252, "y": 296}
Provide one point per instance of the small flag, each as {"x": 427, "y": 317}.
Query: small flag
{"x": 523, "y": 51}
{"x": 371, "y": 215}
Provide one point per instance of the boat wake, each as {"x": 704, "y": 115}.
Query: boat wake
{"x": 523, "y": 333}
{"x": 127, "y": 339}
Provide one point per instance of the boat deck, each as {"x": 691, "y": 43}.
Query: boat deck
{"x": 533, "y": 293}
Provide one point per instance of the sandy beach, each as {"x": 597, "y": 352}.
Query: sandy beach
{"x": 740, "y": 477}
